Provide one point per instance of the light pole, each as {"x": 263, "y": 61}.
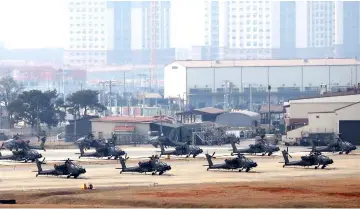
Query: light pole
{"x": 251, "y": 85}
{"x": 75, "y": 126}
{"x": 228, "y": 85}
{"x": 269, "y": 89}
{"x": 110, "y": 83}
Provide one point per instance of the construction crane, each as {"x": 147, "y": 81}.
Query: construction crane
{"x": 153, "y": 43}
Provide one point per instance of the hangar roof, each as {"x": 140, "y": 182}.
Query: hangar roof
{"x": 333, "y": 99}
{"x": 266, "y": 63}
{"x": 203, "y": 111}
{"x": 131, "y": 119}
{"x": 335, "y": 110}
{"x": 273, "y": 108}
{"x": 246, "y": 112}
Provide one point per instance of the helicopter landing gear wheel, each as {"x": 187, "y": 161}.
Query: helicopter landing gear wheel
{"x": 153, "y": 173}
{"x": 67, "y": 177}
{"x": 37, "y": 175}
{"x": 316, "y": 167}
{"x": 207, "y": 169}
{"x": 248, "y": 169}
{"x": 120, "y": 172}
{"x": 240, "y": 170}
{"x": 323, "y": 167}
{"x": 76, "y": 176}
{"x": 161, "y": 173}
{"x": 347, "y": 152}
{"x": 270, "y": 154}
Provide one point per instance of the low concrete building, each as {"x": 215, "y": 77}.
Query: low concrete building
{"x": 297, "y": 110}
{"x": 344, "y": 120}
{"x": 127, "y": 129}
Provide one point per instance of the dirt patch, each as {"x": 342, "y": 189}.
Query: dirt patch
{"x": 299, "y": 193}
{"x": 354, "y": 194}
{"x": 191, "y": 193}
{"x": 282, "y": 190}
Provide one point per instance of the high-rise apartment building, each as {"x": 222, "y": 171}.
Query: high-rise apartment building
{"x": 281, "y": 29}
{"x": 87, "y": 32}
{"x": 162, "y": 23}
{"x": 115, "y": 32}
{"x": 119, "y": 37}
{"x": 242, "y": 29}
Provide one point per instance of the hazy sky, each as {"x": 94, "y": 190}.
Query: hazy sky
{"x": 42, "y": 23}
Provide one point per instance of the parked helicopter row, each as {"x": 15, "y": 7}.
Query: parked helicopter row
{"x": 154, "y": 165}
{"x": 22, "y": 150}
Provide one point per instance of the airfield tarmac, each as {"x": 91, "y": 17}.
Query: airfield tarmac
{"x": 18, "y": 180}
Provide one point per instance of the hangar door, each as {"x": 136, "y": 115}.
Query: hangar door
{"x": 350, "y": 130}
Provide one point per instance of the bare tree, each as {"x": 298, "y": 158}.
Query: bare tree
{"x": 9, "y": 91}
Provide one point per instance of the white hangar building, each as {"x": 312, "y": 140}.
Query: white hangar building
{"x": 329, "y": 113}
{"x": 182, "y": 76}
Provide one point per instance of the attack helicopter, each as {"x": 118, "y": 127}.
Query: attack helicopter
{"x": 182, "y": 150}
{"x": 260, "y": 147}
{"x": 339, "y": 145}
{"x": 241, "y": 162}
{"x": 16, "y": 143}
{"x": 88, "y": 141}
{"x": 315, "y": 158}
{"x": 67, "y": 169}
{"x": 153, "y": 165}
{"x": 156, "y": 141}
{"x": 22, "y": 155}
{"x": 108, "y": 151}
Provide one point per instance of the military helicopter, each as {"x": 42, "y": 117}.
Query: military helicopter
{"x": 109, "y": 151}
{"x": 16, "y": 143}
{"x": 261, "y": 147}
{"x": 315, "y": 158}
{"x": 153, "y": 165}
{"x": 156, "y": 140}
{"x": 22, "y": 155}
{"x": 338, "y": 146}
{"x": 68, "y": 168}
{"x": 241, "y": 162}
{"x": 88, "y": 141}
{"x": 182, "y": 150}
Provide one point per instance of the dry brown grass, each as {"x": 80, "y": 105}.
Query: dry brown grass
{"x": 299, "y": 193}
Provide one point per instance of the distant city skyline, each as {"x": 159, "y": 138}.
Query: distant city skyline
{"x": 31, "y": 26}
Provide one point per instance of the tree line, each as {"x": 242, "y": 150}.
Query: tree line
{"x": 44, "y": 107}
